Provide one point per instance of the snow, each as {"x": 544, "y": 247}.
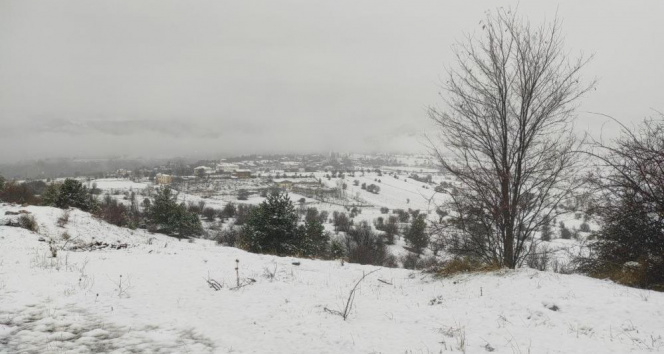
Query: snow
{"x": 111, "y": 184}
{"x": 152, "y": 297}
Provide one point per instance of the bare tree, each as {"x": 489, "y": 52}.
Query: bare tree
{"x": 506, "y": 133}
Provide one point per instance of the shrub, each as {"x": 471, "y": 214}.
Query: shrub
{"x": 169, "y": 217}
{"x": 209, "y": 214}
{"x": 354, "y": 212}
{"x": 584, "y": 227}
{"x": 193, "y": 208}
{"x": 565, "y": 233}
{"x": 379, "y": 223}
{"x": 322, "y": 216}
{"x": 629, "y": 246}
{"x": 341, "y": 222}
{"x": 71, "y": 193}
{"x": 36, "y": 187}
{"x": 242, "y": 194}
{"x": 410, "y": 260}
{"x": 28, "y": 222}
{"x": 372, "y": 188}
{"x": 384, "y": 210}
{"x": 18, "y": 193}
{"x": 228, "y": 237}
{"x": 63, "y": 219}
{"x": 314, "y": 240}
{"x": 311, "y": 214}
{"x": 403, "y": 215}
{"x": 417, "y": 236}
{"x": 364, "y": 247}
{"x": 113, "y": 212}
{"x": 146, "y": 203}
{"x": 228, "y": 211}
{"x": 242, "y": 213}
{"x": 337, "y": 249}
{"x": 272, "y": 227}
{"x": 538, "y": 258}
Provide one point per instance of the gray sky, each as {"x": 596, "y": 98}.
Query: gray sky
{"x": 162, "y": 78}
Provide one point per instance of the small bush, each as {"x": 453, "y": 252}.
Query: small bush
{"x": 410, "y": 260}
{"x": 71, "y": 193}
{"x": 28, "y": 222}
{"x": 228, "y": 237}
{"x": 63, "y": 219}
{"x": 113, "y": 212}
{"x": 209, "y": 214}
{"x": 414, "y": 261}
{"x": 242, "y": 213}
{"x": 538, "y": 258}
{"x": 337, "y": 249}
{"x": 341, "y": 222}
{"x": 365, "y": 247}
{"x": 228, "y": 211}
{"x": 384, "y": 210}
{"x": 584, "y": 227}
{"x": 403, "y": 215}
{"x": 18, "y": 193}
{"x": 242, "y": 194}
{"x": 565, "y": 233}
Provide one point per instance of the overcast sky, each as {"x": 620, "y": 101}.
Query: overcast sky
{"x": 204, "y": 78}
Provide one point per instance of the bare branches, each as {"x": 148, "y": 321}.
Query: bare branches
{"x": 351, "y": 298}
{"x": 507, "y": 129}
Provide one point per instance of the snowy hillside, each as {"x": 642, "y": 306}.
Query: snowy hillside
{"x": 153, "y": 297}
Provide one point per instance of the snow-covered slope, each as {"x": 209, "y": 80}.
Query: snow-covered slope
{"x": 153, "y": 297}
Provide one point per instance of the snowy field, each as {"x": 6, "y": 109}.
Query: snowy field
{"x": 153, "y": 297}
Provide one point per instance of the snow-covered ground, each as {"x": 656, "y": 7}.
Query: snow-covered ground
{"x": 153, "y": 297}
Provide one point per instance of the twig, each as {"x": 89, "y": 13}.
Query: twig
{"x": 351, "y": 297}
{"x": 385, "y": 282}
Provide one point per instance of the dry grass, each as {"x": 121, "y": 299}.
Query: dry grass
{"x": 465, "y": 265}
{"x": 635, "y": 276}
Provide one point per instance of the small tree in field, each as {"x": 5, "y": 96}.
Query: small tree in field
{"x": 506, "y": 134}
{"x": 417, "y": 236}
{"x": 71, "y": 193}
{"x": 169, "y": 217}
{"x": 272, "y": 227}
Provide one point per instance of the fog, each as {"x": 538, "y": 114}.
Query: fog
{"x": 213, "y": 78}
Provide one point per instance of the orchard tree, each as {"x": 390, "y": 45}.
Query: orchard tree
{"x": 505, "y": 132}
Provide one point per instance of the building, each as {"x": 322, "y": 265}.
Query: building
{"x": 242, "y": 173}
{"x": 225, "y": 167}
{"x": 285, "y": 184}
{"x": 163, "y": 179}
{"x": 202, "y": 171}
